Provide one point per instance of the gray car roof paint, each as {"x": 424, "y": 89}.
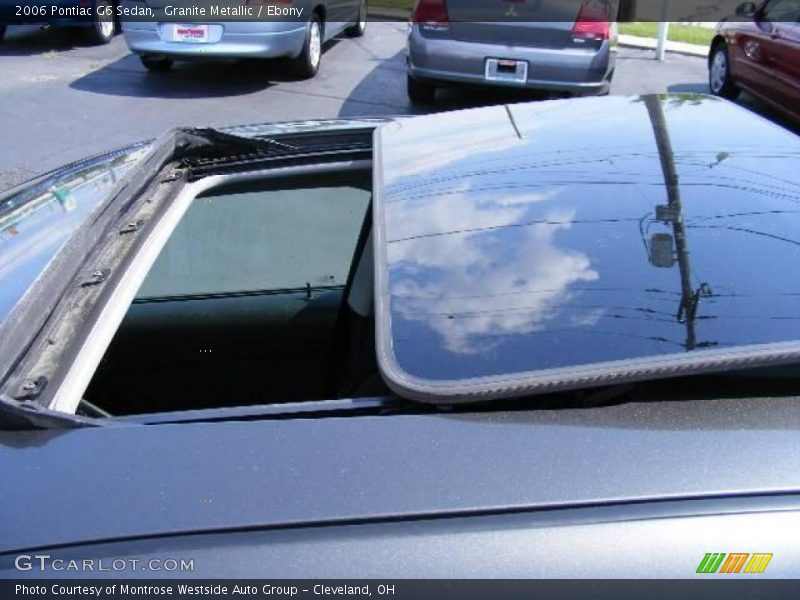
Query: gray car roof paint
{"x": 67, "y": 487}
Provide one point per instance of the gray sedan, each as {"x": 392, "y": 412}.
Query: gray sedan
{"x": 297, "y": 33}
{"x": 567, "y": 48}
{"x": 547, "y": 340}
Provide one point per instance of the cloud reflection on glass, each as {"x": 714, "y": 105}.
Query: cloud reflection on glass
{"x": 517, "y": 237}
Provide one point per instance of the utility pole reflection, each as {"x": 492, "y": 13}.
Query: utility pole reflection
{"x": 672, "y": 213}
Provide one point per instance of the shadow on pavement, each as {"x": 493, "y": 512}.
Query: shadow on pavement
{"x": 688, "y": 88}
{"x": 453, "y": 98}
{"x": 32, "y": 40}
{"x": 381, "y": 91}
{"x": 193, "y": 78}
{"x": 208, "y": 79}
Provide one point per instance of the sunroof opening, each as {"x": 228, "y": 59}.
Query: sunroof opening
{"x": 254, "y": 299}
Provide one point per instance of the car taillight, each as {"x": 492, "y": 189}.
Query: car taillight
{"x": 431, "y": 13}
{"x": 591, "y": 24}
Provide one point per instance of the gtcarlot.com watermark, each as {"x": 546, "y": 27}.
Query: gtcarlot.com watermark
{"x": 48, "y": 563}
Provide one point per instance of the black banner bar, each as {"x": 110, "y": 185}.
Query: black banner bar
{"x": 458, "y": 11}
{"x": 399, "y": 589}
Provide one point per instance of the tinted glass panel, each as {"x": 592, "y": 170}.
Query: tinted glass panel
{"x": 545, "y": 236}
{"x": 265, "y": 240}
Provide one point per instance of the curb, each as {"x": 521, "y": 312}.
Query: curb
{"x": 389, "y": 14}
{"x": 684, "y": 49}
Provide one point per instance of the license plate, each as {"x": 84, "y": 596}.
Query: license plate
{"x": 197, "y": 34}
{"x": 510, "y": 71}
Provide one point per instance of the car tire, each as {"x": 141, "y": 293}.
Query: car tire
{"x": 307, "y": 63}
{"x": 420, "y": 92}
{"x": 156, "y": 63}
{"x": 719, "y": 73}
{"x": 360, "y": 26}
{"x": 103, "y": 27}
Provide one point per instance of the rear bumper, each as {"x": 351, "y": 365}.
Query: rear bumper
{"x": 243, "y": 42}
{"x": 563, "y": 70}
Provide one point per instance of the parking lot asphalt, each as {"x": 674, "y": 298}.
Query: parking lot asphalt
{"x": 61, "y": 99}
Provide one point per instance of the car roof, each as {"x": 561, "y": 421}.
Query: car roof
{"x": 535, "y": 247}
{"x": 101, "y": 483}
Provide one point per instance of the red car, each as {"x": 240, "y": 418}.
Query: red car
{"x": 759, "y": 53}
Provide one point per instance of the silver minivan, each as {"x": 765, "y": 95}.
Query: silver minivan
{"x": 297, "y": 34}
{"x": 564, "y": 47}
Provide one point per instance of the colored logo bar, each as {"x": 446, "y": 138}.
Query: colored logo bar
{"x": 734, "y": 562}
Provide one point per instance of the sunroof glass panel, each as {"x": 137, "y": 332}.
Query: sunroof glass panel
{"x": 564, "y": 244}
